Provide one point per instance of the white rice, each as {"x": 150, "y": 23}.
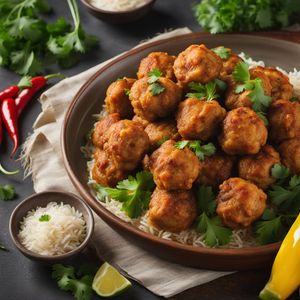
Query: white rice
{"x": 63, "y": 232}
{"x": 240, "y": 238}
{"x": 118, "y": 5}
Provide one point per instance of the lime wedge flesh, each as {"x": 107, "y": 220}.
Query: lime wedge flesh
{"x": 108, "y": 282}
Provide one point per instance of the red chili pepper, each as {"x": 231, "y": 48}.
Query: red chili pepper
{"x": 37, "y": 83}
{"x": 1, "y": 130}
{"x": 9, "y": 117}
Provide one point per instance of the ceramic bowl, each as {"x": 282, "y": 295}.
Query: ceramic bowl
{"x": 89, "y": 100}
{"x": 42, "y": 199}
{"x": 119, "y": 17}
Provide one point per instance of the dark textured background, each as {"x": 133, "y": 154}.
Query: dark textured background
{"x": 22, "y": 279}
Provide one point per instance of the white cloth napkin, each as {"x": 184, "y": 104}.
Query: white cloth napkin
{"x": 43, "y": 160}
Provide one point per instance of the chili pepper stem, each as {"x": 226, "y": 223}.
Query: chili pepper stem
{"x": 57, "y": 75}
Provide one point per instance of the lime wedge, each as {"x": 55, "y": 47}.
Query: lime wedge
{"x": 109, "y": 282}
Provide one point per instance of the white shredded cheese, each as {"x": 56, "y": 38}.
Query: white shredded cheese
{"x": 64, "y": 231}
{"x": 118, "y": 5}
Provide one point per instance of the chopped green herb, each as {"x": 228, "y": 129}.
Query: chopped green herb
{"x": 222, "y": 52}
{"x": 80, "y": 286}
{"x": 164, "y": 139}
{"x": 203, "y": 91}
{"x": 294, "y": 99}
{"x": 134, "y": 193}
{"x": 200, "y": 150}
{"x": 156, "y": 88}
{"x": 263, "y": 116}
{"x": 7, "y": 192}
{"x": 280, "y": 172}
{"x": 44, "y": 218}
{"x": 89, "y": 134}
{"x": 222, "y": 85}
{"x": 127, "y": 92}
{"x": 154, "y": 75}
{"x": 206, "y": 200}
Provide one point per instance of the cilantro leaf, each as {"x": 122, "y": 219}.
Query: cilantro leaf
{"x": 270, "y": 231}
{"x": 222, "y": 52}
{"x": 241, "y": 72}
{"x": 164, "y": 139}
{"x": 203, "y": 91}
{"x": 215, "y": 234}
{"x": 156, "y": 88}
{"x": 81, "y": 288}
{"x": 127, "y": 92}
{"x": 280, "y": 172}
{"x": 206, "y": 200}
{"x": 258, "y": 98}
{"x": 44, "y": 218}
{"x": 7, "y": 192}
{"x": 222, "y": 85}
{"x": 263, "y": 116}
{"x": 154, "y": 75}
{"x": 134, "y": 193}
{"x": 200, "y": 150}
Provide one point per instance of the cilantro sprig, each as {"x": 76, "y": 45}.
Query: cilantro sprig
{"x": 200, "y": 91}
{"x": 79, "y": 284}
{"x": 44, "y": 218}
{"x": 285, "y": 205}
{"x": 134, "y": 193}
{"x": 260, "y": 101}
{"x": 215, "y": 233}
{"x": 7, "y": 192}
{"x": 155, "y": 87}
{"x": 222, "y": 52}
{"x": 196, "y": 146}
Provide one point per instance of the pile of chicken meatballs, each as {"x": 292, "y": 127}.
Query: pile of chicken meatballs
{"x": 140, "y": 130}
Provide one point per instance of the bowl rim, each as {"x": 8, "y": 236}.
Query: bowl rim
{"x": 119, "y": 13}
{"x": 35, "y": 255}
{"x": 108, "y": 216}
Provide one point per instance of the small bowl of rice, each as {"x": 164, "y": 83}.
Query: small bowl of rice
{"x": 118, "y": 11}
{"x": 51, "y": 226}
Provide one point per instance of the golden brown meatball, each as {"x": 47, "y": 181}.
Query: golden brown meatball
{"x": 197, "y": 63}
{"x": 141, "y": 121}
{"x": 105, "y": 171}
{"x": 233, "y": 100}
{"x": 197, "y": 119}
{"x": 117, "y": 101}
{"x": 172, "y": 211}
{"x": 229, "y": 64}
{"x": 152, "y": 107}
{"x": 257, "y": 168}
{"x": 281, "y": 86}
{"x": 215, "y": 169}
{"x": 99, "y": 136}
{"x": 240, "y": 203}
{"x": 284, "y": 118}
{"x": 290, "y": 154}
{"x": 127, "y": 144}
{"x": 157, "y": 60}
{"x": 243, "y": 132}
{"x": 159, "y": 132}
{"x": 172, "y": 168}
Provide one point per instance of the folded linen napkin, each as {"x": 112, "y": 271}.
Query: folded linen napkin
{"x": 43, "y": 160}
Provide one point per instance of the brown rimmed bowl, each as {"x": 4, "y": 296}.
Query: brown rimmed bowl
{"x": 119, "y": 17}
{"x": 41, "y": 200}
{"x": 89, "y": 100}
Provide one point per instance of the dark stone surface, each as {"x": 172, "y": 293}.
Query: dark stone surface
{"x": 23, "y": 279}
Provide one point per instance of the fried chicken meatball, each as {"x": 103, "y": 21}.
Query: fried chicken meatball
{"x": 257, "y": 168}
{"x": 240, "y": 203}
{"x": 150, "y": 106}
{"x": 99, "y": 136}
{"x": 157, "y": 60}
{"x": 284, "y": 119}
{"x": 159, "y": 132}
{"x": 141, "y": 121}
{"x": 243, "y": 132}
{"x": 281, "y": 86}
{"x": 229, "y": 64}
{"x": 172, "y": 168}
{"x": 234, "y": 100}
{"x": 198, "y": 119}
{"x": 215, "y": 169}
{"x": 290, "y": 155}
{"x": 117, "y": 101}
{"x": 197, "y": 63}
{"x": 127, "y": 144}
{"x": 172, "y": 211}
{"x": 105, "y": 171}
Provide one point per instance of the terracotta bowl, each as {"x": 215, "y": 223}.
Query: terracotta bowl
{"x": 42, "y": 199}
{"x": 119, "y": 17}
{"x": 89, "y": 101}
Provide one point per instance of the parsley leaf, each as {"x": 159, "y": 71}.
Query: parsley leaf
{"x": 44, "y": 218}
{"x": 134, "y": 193}
{"x": 280, "y": 172}
{"x": 81, "y": 288}
{"x": 200, "y": 150}
{"x": 203, "y": 91}
{"x": 222, "y": 52}
{"x": 7, "y": 192}
{"x": 155, "y": 87}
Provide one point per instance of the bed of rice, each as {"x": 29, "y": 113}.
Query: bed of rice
{"x": 240, "y": 238}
